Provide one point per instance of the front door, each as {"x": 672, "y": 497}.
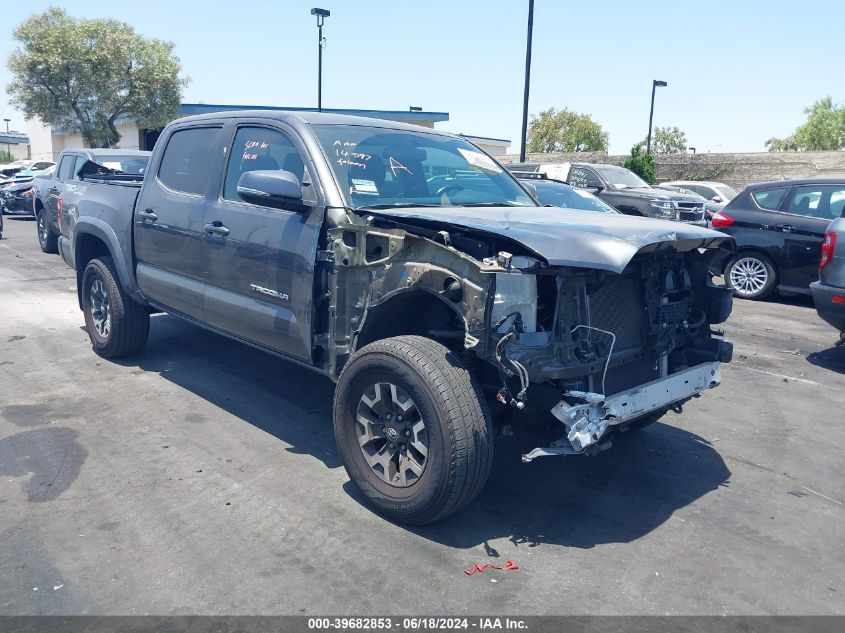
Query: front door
{"x": 261, "y": 259}
{"x": 807, "y": 213}
{"x": 169, "y": 218}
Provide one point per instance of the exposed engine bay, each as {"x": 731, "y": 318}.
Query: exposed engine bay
{"x": 601, "y": 347}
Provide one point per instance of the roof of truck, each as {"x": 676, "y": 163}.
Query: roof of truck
{"x": 310, "y": 118}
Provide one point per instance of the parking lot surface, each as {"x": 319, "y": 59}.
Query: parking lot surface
{"x": 203, "y": 477}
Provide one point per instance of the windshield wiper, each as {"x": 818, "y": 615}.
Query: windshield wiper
{"x": 488, "y": 204}
{"x": 396, "y": 205}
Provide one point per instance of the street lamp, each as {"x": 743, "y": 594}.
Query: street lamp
{"x": 654, "y": 84}
{"x": 321, "y": 14}
{"x": 692, "y": 149}
{"x": 527, "y": 79}
{"x": 8, "y": 145}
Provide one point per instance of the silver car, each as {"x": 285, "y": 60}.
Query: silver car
{"x": 829, "y": 290}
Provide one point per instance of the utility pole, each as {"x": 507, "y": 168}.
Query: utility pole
{"x": 654, "y": 84}
{"x": 527, "y": 80}
{"x": 321, "y": 14}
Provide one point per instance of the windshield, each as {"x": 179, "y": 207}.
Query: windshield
{"x": 620, "y": 177}
{"x": 728, "y": 193}
{"x": 560, "y": 195}
{"x": 381, "y": 167}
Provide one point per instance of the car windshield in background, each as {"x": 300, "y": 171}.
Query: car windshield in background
{"x": 382, "y": 168}
{"x": 114, "y": 165}
{"x": 728, "y": 193}
{"x": 560, "y": 195}
{"x": 621, "y": 177}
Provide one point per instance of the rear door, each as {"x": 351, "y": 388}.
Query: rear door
{"x": 64, "y": 173}
{"x": 802, "y": 222}
{"x": 261, "y": 259}
{"x": 169, "y": 217}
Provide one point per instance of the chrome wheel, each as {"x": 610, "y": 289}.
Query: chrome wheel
{"x": 100, "y": 308}
{"x": 392, "y": 434}
{"x": 748, "y": 276}
{"x": 43, "y": 231}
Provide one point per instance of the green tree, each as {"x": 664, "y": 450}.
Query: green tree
{"x": 641, "y": 163}
{"x": 668, "y": 140}
{"x": 6, "y": 157}
{"x": 824, "y": 129}
{"x": 565, "y": 131}
{"x": 84, "y": 74}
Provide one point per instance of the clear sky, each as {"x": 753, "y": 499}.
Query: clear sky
{"x": 739, "y": 71}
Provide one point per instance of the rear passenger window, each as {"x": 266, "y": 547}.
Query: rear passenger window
{"x": 818, "y": 201}
{"x": 66, "y": 167}
{"x": 257, "y": 148}
{"x": 770, "y": 198}
{"x": 186, "y": 163}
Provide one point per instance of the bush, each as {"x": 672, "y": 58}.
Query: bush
{"x": 641, "y": 163}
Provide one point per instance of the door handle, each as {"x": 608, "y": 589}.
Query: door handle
{"x": 148, "y": 214}
{"x": 786, "y": 228}
{"x": 216, "y": 228}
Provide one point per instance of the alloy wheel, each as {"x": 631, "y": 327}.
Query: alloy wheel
{"x": 748, "y": 276}
{"x": 100, "y": 308}
{"x": 392, "y": 434}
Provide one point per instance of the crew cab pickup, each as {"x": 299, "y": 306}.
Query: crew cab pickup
{"x": 409, "y": 267}
{"x": 623, "y": 189}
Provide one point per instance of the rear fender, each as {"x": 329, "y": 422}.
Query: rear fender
{"x": 87, "y": 229}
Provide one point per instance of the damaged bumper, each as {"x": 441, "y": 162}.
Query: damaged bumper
{"x": 587, "y": 422}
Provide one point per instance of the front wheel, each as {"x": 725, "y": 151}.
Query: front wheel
{"x": 750, "y": 276}
{"x": 117, "y": 325}
{"x": 47, "y": 238}
{"x": 412, "y": 428}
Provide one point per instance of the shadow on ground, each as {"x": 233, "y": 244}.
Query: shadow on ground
{"x": 832, "y": 358}
{"x": 616, "y": 496}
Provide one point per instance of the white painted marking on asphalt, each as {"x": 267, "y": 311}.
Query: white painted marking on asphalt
{"x": 821, "y": 495}
{"x": 769, "y": 373}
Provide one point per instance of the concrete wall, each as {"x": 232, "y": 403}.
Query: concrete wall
{"x": 737, "y": 170}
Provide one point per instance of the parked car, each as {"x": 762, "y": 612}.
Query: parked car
{"x": 323, "y": 239}
{"x": 717, "y": 192}
{"x": 624, "y": 190}
{"x": 829, "y": 290}
{"x": 709, "y": 207}
{"x": 779, "y": 228}
{"x": 41, "y": 165}
{"x": 53, "y": 182}
{"x": 16, "y": 196}
{"x": 555, "y": 193}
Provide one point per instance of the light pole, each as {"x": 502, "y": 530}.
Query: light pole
{"x": 654, "y": 84}
{"x": 692, "y": 149}
{"x": 321, "y": 14}
{"x": 527, "y": 79}
{"x": 8, "y": 145}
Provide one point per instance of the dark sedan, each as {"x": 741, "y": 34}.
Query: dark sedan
{"x": 779, "y": 228}
{"x": 16, "y": 197}
{"x": 558, "y": 194}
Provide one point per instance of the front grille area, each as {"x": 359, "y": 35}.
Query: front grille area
{"x": 628, "y": 375}
{"x": 690, "y": 211}
{"x": 617, "y": 306}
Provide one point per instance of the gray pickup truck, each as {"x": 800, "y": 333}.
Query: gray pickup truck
{"x": 409, "y": 267}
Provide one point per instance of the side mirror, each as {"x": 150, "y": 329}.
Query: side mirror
{"x": 272, "y": 188}
{"x": 594, "y": 184}
{"x": 716, "y": 199}
{"x": 531, "y": 189}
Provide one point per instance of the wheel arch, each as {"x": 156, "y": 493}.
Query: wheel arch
{"x": 756, "y": 250}
{"x": 432, "y": 313}
{"x": 94, "y": 238}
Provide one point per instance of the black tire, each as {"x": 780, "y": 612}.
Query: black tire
{"x": 129, "y": 321}
{"x": 751, "y": 275}
{"x": 457, "y": 423}
{"x": 47, "y": 238}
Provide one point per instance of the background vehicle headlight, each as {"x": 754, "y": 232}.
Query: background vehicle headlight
{"x": 663, "y": 209}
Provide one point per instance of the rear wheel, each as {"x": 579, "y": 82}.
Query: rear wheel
{"x": 750, "y": 275}
{"x": 412, "y": 429}
{"x": 117, "y": 325}
{"x": 47, "y": 238}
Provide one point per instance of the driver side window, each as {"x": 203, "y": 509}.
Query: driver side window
{"x": 258, "y": 148}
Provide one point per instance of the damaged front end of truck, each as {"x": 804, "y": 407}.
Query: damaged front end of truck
{"x": 606, "y": 322}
